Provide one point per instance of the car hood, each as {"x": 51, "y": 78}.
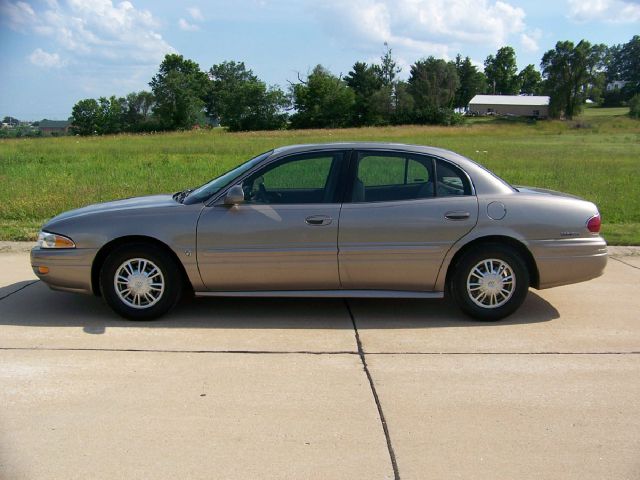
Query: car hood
{"x": 152, "y": 201}
{"x": 544, "y": 191}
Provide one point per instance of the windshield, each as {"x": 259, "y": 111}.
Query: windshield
{"x": 214, "y": 186}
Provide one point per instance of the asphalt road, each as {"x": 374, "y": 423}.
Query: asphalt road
{"x": 321, "y": 389}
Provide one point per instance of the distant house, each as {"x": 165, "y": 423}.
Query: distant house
{"x": 518, "y": 105}
{"x": 49, "y": 127}
{"x": 616, "y": 85}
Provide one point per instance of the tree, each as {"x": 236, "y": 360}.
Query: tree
{"x": 365, "y": 81}
{"x": 85, "y": 117}
{"x": 179, "y": 89}
{"x": 567, "y": 71}
{"x": 634, "y": 106}
{"x": 14, "y": 122}
{"x": 389, "y": 68}
{"x": 627, "y": 61}
{"x": 111, "y": 114}
{"x": 322, "y": 101}
{"x": 137, "y": 111}
{"x": 386, "y": 99}
{"x": 433, "y": 84}
{"x": 403, "y": 105}
{"x": 241, "y": 101}
{"x": 502, "y": 72}
{"x": 614, "y": 63}
{"x": 597, "y": 72}
{"x": 471, "y": 80}
{"x": 530, "y": 80}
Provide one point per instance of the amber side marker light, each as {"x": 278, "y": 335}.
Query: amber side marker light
{"x": 62, "y": 242}
{"x": 43, "y": 270}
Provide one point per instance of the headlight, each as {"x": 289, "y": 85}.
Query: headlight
{"x": 53, "y": 240}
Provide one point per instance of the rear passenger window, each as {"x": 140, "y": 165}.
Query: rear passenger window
{"x": 376, "y": 171}
{"x": 392, "y": 176}
{"x": 451, "y": 180}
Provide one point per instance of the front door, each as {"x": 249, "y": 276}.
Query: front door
{"x": 403, "y": 214}
{"x": 284, "y": 236}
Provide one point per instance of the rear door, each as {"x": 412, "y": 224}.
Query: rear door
{"x": 403, "y": 212}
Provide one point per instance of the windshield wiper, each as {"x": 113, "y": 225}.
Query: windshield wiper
{"x": 180, "y": 196}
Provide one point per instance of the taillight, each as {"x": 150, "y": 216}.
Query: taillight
{"x": 594, "y": 223}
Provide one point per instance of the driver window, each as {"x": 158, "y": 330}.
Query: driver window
{"x": 299, "y": 179}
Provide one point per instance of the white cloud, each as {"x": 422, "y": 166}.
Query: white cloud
{"x": 611, "y": 11}
{"x": 195, "y": 13}
{"x": 18, "y": 15}
{"x": 529, "y": 40}
{"x": 425, "y": 27}
{"x": 94, "y": 31}
{"x": 196, "y": 16}
{"x": 44, "y": 59}
{"x": 186, "y": 26}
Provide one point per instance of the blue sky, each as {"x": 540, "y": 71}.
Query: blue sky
{"x": 56, "y": 52}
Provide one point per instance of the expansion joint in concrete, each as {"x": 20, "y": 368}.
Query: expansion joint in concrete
{"x": 625, "y": 263}
{"x": 385, "y": 428}
{"x": 18, "y": 290}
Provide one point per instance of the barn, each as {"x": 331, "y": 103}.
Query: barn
{"x": 54, "y": 127}
{"x": 518, "y": 105}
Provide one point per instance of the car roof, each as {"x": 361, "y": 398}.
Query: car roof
{"x": 364, "y": 145}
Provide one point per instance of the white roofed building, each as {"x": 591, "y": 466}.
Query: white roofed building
{"x": 518, "y": 105}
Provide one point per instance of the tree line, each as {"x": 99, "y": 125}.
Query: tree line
{"x": 230, "y": 94}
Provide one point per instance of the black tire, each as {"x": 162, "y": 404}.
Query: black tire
{"x": 505, "y": 304}
{"x": 161, "y": 303}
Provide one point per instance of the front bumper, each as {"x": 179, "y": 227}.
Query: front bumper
{"x": 571, "y": 260}
{"x": 69, "y": 269}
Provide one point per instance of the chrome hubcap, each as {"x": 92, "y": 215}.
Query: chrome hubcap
{"x": 491, "y": 283}
{"x": 139, "y": 283}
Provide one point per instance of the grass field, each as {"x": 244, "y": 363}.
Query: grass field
{"x": 596, "y": 156}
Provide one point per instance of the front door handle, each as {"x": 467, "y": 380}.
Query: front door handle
{"x": 457, "y": 215}
{"x": 318, "y": 220}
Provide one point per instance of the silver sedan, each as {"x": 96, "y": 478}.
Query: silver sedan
{"x": 329, "y": 220}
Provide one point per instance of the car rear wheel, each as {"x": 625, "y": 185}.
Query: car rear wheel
{"x": 140, "y": 282}
{"x": 490, "y": 282}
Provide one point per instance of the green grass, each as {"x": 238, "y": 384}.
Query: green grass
{"x": 595, "y": 111}
{"x": 596, "y": 156}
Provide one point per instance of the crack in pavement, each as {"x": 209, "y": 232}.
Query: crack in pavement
{"x": 302, "y": 352}
{"x": 385, "y": 428}
{"x": 149, "y": 350}
{"x": 625, "y": 263}
{"x": 19, "y": 289}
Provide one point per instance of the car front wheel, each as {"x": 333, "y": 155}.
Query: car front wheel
{"x": 140, "y": 282}
{"x": 490, "y": 282}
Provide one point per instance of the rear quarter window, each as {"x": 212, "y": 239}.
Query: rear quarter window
{"x": 451, "y": 180}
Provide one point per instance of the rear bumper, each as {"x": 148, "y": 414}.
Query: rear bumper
{"x": 69, "y": 269}
{"x": 571, "y": 260}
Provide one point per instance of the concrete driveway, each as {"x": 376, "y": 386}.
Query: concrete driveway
{"x": 321, "y": 389}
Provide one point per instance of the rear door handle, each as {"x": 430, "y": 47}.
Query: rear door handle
{"x": 318, "y": 220}
{"x": 457, "y": 215}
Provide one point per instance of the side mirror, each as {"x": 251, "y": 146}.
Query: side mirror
{"x": 234, "y": 196}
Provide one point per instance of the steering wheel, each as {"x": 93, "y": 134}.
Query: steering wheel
{"x": 261, "y": 195}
